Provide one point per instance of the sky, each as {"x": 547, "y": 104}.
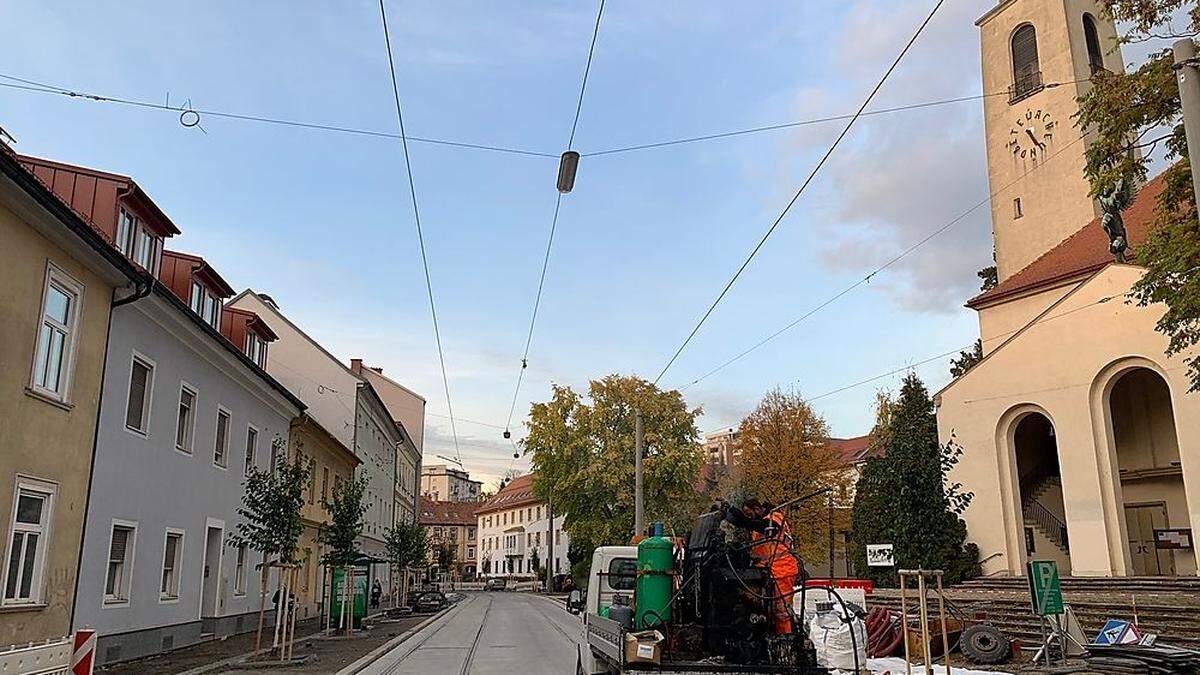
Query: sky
{"x": 323, "y": 221}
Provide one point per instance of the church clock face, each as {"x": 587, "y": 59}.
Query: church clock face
{"x": 1031, "y": 134}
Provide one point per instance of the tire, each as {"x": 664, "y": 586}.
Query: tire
{"x": 985, "y": 644}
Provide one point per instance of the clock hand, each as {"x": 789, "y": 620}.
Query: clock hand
{"x": 1031, "y": 136}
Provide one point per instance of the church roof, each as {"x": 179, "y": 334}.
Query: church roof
{"x": 1080, "y": 254}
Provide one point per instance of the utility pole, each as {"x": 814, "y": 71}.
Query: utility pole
{"x": 639, "y": 443}
{"x": 1188, "y": 77}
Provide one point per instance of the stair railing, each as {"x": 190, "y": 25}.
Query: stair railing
{"x": 1050, "y": 525}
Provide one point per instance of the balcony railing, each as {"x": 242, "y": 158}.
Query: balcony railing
{"x": 1026, "y": 84}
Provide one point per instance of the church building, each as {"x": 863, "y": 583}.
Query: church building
{"x": 1081, "y": 441}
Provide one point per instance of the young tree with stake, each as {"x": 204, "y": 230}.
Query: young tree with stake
{"x": 345, "y": 509}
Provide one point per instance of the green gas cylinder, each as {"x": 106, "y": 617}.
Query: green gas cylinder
{"x": 655, "y": 569}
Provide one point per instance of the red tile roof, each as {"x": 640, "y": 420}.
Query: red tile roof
{"x": 853, "y": 450}
{"x": 1080, "y": 254}
{"x": 518, "y": 492}
{"x": 447, "y": 513}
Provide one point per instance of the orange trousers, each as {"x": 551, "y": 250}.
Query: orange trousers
{"x": 781, "y": 618}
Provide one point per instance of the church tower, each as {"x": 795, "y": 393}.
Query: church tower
{"x": 1038, "y": 56}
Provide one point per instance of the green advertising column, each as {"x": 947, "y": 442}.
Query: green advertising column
{"x": 358, "y": 602}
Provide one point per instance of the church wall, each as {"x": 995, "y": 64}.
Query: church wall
{"x": 998, "y": 322}
{"x": 1054, "y": 366}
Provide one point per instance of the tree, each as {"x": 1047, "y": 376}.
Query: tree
{"x": 407, "y": 546}
{"x": 1120, "y": 110}
{"x": 270, "y": 514}
{"x": 903, "y": 498}
{"x": 786, "y": 454}
{"x": 509, "y": 475}
{"x": 445, "y": 555}
{"x": 340, "y": 534}
{"x": 583, "y": 458}
{"x": 535, "y": 564}
{"x": 987, "y": 278}
{"x": 966, "y": 360}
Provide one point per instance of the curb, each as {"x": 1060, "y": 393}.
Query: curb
{"x": 210, "y": 667}
{"x": 377, "y": 653}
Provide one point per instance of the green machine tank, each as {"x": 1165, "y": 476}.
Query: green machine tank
{"x": 655, "y": 576}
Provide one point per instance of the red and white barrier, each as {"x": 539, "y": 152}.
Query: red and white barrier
{"x": 83, "y": 657}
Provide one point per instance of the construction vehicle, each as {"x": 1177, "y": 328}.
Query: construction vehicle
{"x": 713, "y": 618}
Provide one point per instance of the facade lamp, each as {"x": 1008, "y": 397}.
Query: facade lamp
{"x": 567, "y": 166}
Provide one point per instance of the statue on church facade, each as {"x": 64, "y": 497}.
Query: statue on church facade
{"x": 1112, "y": 202}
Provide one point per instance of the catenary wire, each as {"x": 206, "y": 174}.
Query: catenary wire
{"x": 807, "y": 181}
{"x": 412, "y": 190}
{"x": 867, "y": 279}
{"x": 34, "y": 86}
{"x": 537, "y": 301}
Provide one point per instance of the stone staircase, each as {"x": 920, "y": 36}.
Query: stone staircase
{"x": 1167, "y": 606}
{"x": 1037, "y": 516}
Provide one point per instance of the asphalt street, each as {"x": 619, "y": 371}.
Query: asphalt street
{"x": 490, "y": 633}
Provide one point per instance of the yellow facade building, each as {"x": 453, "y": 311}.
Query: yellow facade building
{"x": 61, "y": 277}
{"x": 1081, "y": 441}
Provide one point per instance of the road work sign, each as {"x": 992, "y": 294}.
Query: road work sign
{"x": 880, "y": 555}
{"x": 1044, "y": 587}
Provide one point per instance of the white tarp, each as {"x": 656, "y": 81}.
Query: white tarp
{"x": 895, "y": 666}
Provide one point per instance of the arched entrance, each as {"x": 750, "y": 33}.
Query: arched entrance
{"x": 1044, "y": 522}
{"x": 1151, "y": 478}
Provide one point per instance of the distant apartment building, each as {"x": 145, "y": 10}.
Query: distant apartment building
{"x": 185, "y": 409}
{"x": 441, "y": 482}
{"x": 452, "y": 524}
{"x": 354, "y": 413}
{"x": 515, "y": 529}
{"x": 407, "y": 409}
{"x": 60, "y": 276}
{"x": 721, "y": 448}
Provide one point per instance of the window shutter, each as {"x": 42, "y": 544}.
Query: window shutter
{"x": 120, "y": 540}
{"x": 1024, "y": 52}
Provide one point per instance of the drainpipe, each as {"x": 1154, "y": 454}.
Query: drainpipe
{"x": 142, "y": 288}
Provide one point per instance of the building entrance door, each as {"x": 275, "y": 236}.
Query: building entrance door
{"x": 210, "y": 585}
{"x": 1141, "y": 521}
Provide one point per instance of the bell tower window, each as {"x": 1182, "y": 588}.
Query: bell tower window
{"x": 1092, "y": 38}
{"x": 1027, "y": 72}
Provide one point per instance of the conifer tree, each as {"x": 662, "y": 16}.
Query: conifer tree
{"x": 903, "y": 497}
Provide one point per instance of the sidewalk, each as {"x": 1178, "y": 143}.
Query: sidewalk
{"x": 327, "y": 655}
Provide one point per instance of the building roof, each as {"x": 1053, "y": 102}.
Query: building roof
{"x": 1080, "y": 254}
{"x": 854, "y": 450}
{"x": 446, "y": 513}
{"x": 518, "y": 492}
{"x": 201, "y": 268}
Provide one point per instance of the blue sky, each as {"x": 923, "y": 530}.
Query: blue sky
{"x": 322, "y": 221}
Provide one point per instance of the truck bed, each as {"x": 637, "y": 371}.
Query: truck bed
{"x": 607, "y": 641}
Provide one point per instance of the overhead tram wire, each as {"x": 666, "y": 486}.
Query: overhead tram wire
{"x": 41, "y": 87}
{"x": 807, "y": 181}
{"x": 412, "y": 190}
{"x": 867, "y": 279}
{"x": 537, "y": 301}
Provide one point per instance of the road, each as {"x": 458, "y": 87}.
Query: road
{"x": 490, "y": 634}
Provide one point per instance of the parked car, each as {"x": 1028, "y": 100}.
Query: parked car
{"x": 494, "y": 584}
{"x": 430, "y": 601}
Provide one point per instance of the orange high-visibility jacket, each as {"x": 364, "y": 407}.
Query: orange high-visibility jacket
{"x": 775, "y": 550}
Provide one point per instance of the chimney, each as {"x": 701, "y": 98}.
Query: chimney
{"x": 356, "y": 366}
{"x": 377, "y": 369}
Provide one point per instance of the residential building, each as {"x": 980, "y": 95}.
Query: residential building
{"x": 61, "y": 277}
{"x": 452, "y": 524}
{"x": 353, "y": 413}
{"x": 332, "y": 464}
{"x": 514, "y": 532}
{"x": 721, "y": 448}
{"x": 407, "y": 410}
{"x": 1080, "y": 439}
{"x": 181, "y": 407}
{"x": 441, "y": 482}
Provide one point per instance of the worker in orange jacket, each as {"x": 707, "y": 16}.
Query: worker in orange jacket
{"x": 772, "y": 548}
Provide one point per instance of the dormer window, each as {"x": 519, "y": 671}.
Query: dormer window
{"x": 256, "y": 349}
{"x": 138, "y": 243}
{"x": 206, "y": 304}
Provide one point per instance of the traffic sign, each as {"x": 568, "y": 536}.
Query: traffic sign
{"x": 1044, "y": 587}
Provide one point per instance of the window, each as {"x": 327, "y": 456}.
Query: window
{"x": 172, "y": 559}
{"x": 197, "y": 300}
{"x": 26, "y": 559}
{"x": 147, "y": 250}
{"x": 312, "y": 482}
{"x": 251, "y": 449}
{"x": 324, "y": 484}
{"x": 207, "y": 305}
{"x": 1092, "y": 38}
{"x": 470, "y": 553}
{"x": 239, "y": 571}
{"x": 274, "y": 457}
{"x": 221, "y": 442}
{"x": 185, "y": 422}
{"x": 622, "y": 574}
{"x": 141, "y": 383}
{"x": 120, "y": 562}
{"x": 55, "y": 349}
{"x": 126, "y": 230}
{"x": 1017, "y": 212}
{"x": 1027, "y": 74}
{"x": 256, "y": 349}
